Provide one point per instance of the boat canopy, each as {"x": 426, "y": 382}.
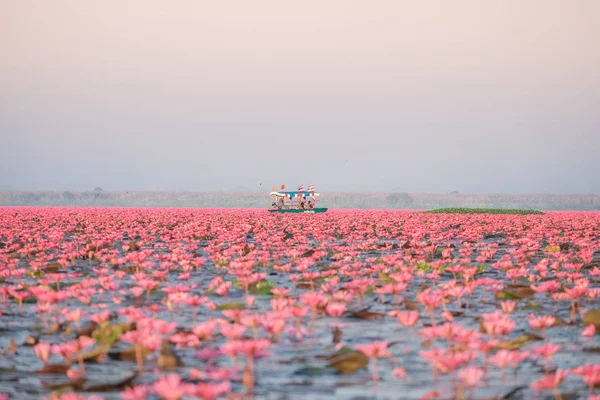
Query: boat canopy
{"x": 293, "y": 194}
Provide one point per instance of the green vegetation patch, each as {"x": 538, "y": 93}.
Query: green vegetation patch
{"x": 484, "y": 211}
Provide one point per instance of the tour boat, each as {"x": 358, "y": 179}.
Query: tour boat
{"x": 284, "y": 201}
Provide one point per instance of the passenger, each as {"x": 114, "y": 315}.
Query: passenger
{"x": 310, "y": 205}
{"x": 273, "y": 206}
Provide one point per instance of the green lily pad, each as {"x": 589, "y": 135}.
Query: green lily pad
{"x": 532, "y": 305}
{"x": 54, "y": 369}
{"x": 592, "y": 317}
{"x": 370, "y": 291}
{"x": 167, "y": 359}
{"x": 348, "y": 362}
{"x": 515, "y": 293}
{"x": 127, "y": 354}
{"x": 262, "y": 287}
{"x": 552, "y": 249}
{"x": 385, "y": 278}
{"x": 505, "y": 295}
{"x": 365, "y": 314}
{"x": 519, "y": 342}
{"x": 231, "y": 306}
{"x": 107, "y": 334}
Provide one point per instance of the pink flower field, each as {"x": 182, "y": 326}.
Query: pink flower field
{"x": 113, "y": 303}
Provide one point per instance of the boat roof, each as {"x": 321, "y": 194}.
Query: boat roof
{"x": 293, "y": 194}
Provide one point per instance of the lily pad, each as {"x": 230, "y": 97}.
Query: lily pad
{"x": 552, "y": 249}
{"x": 559, "y": 322}
{"x": 308, "y": 253}
{"x": 348, "y": 362}
{"x": 127, "y": 354}
{"x": 107, "y": 334}
{"x": 167, "y": 358}
{"x": 231, "y": 306}
{"x": 505, "y": 295}
{"x": 592, "y": 317}
{"x": 304, "y": 285}
{"x": 97, "y": 354}
{"x": 385, "y": 278}
{"x": 519, "y": 342}
{"x": 53, "y": 369}
{"x": 87, "y": 330}
{"x": 533, "y": 305}
{"x": 365, "y": 314}
{"x": 52, "y": 268}
{"x": 515, "y": 292}
{"x": 592, "y": 350}
{"x": 262, "y": 287}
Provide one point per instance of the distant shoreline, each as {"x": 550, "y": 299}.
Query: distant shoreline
{"x": 334, "y": 200}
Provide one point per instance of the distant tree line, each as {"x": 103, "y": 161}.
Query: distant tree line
{"x": 398, "y": 200}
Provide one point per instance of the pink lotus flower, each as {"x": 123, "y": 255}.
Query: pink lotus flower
{"x": 208, "y": 354}
{"x": 210, "y": 391}
{"x": 280, "y": 292}
{"x": 507, "y": 358}
{"x": 75, "y": 375}
{"x": 138, "y": 392}
{"x": 399, "y": 373}
{"x": 541, "y": 322}
{"x": 42, "y": 350}
{"x": 589, "y": 331}
{"x": 374, "y": 351}
{"x": 550, "y": 381}
{"x": 100, "y": 317}
{"x": 508, "y": 306}
{"x": 431, "y": 395}
{"x": 470, "y": 376}
{"x": 336, "y": 309}
{"x": 547, "y": 350}
{"x": 447, "y": 315}
{"x": 233, "y": 331}
{"x": 590, "y": 374}
{"x": 497, "y": 323}
{"x": 170, "y": 387}
{"x": 408, "y": 318}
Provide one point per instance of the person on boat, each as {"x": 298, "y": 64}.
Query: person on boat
{"x": 310, "y": 205}
{"x": 280, "y": 203}
{"x": 273, "y": 206}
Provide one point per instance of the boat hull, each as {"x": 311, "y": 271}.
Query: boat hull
{"x": 293, "y": 211}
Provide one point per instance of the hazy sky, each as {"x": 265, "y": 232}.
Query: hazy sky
{"x": 419, "y": 96}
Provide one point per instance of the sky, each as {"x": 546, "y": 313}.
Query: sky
{"x": 412, "y": 96}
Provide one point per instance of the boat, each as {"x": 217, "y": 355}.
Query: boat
{"x": 294, "y": 211}
{"x": 284, "y": 201}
